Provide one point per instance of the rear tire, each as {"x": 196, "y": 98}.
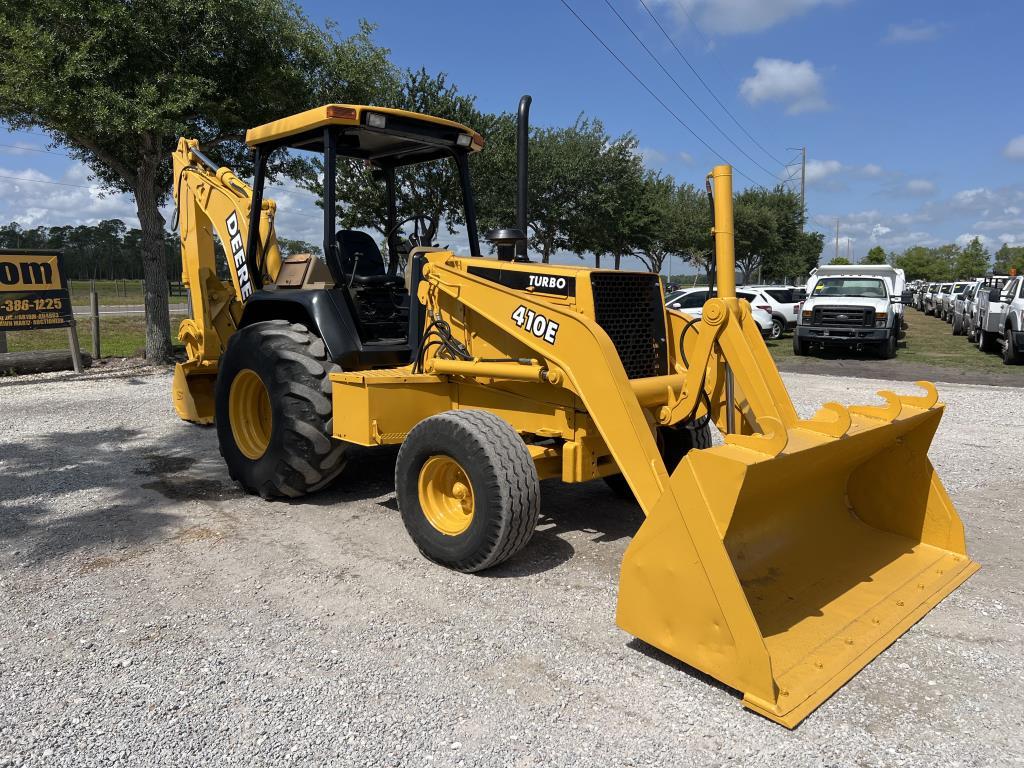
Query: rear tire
{"x": 778, "y": 328}
{"x": 800, "y": 347}
{"x": 957, "y": 325}
{"x": 497, "y": 475}
{"x": 674, "y": 443}
{"x": 986, "y": 340}
{"x": 282, "y": 446}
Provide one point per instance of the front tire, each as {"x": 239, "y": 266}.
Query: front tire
{"x": 800, "y": 347}
{"x": 467, "y": 489}
{"x": 273, "y": 410}
{"x": 887, "y": 348}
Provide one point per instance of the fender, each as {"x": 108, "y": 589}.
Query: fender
{"x": 318, "y": 310}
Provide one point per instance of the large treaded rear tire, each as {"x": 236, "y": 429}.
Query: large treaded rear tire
{"x": 674, "y": 443}
{"x": 292, "y": 363}
{"x": 503, "y": 478}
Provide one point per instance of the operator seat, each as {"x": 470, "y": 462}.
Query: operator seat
{"x": 359, "y": 253}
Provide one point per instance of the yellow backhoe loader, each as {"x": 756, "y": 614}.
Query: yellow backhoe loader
{"x": 780, "y": 562}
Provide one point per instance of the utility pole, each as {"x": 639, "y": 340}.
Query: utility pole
{"x": 837, "y": 237}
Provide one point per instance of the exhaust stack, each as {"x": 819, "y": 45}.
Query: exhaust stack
{"x": 522, "y": 173}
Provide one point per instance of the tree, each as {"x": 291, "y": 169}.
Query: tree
{"x": 1009, "y": 257}
{"x": 566, "y": 171}
{"x": 972, "y": 261}
{"x": 289, "y": 247}
{"x": 117, "y": 83}
{"x": 757, "y": 230}
{"x": 876, "y": 256}
{"x": 839, "y": 260}
{"x": 662, "y": 233}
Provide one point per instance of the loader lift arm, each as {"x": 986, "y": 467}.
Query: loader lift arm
{"x": 781, "y": 562}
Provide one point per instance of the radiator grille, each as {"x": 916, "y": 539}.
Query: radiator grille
{"x": 629, "y": 309}
{"x": 844, "y": 317}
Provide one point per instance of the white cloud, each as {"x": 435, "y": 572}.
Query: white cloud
{"x": 914, "y": 32}
{"x": 871, "y": 169}
{"x": 920, "y": 187}
{"x": 819, "y": 170}
{"x": 652, "y": 158}
{"x": 979, "y": 197}
{"x": 33, "y": 199}
{"x": 1015, "y": 149}
{"x": 793, "y": 83}
{"x": 733, "y": 17}
{"x": 686, "y": 157}
{"x": 879, "y": 231}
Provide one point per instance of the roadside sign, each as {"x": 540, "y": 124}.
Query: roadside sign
{"x": 34, "y": 295}
{"x": 33, "y": 291}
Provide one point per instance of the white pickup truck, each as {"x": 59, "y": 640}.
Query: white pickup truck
{"x": 1001, "y": 320}
{"x": 858, "y": 306}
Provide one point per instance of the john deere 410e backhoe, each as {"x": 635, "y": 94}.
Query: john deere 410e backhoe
{"x": 780, "y": 562}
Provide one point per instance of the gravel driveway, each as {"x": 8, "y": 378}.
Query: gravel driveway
{"x": 153, "y": 615}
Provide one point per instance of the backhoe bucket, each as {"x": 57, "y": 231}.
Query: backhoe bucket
{"x": 192, "y": 393}
{"x": 783, "y": 572}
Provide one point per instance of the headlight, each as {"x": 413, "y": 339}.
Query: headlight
{"x": 881, "y": 319}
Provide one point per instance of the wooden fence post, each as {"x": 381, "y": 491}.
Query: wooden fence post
{"x": 94, "y": 313}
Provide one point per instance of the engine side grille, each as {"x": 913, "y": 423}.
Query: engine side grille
{"x": 629, "y": 309}
{"x": 844, "y": 317}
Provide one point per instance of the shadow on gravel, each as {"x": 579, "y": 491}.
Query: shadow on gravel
{"x": 651, "y": 652}
{"x": 130, "y": 484}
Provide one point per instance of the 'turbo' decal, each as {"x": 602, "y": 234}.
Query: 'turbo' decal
{"x": 536, "y": 324}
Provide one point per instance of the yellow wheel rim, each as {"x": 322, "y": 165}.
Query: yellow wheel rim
{"x": 249, "y": 413}
{"x": 446, "y": 495}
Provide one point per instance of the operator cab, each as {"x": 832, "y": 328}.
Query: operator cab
{"x": 368, "y": 287}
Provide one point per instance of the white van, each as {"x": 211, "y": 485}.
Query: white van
{"x": 858, "y": 306}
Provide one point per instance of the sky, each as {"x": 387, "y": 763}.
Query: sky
{"x": 910, "y": 111}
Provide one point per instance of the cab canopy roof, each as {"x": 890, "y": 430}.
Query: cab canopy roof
{"x": 385, "y": 136}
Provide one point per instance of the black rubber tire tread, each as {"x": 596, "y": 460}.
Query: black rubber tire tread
{"x": 887, "y": 349}
{"x": 505, "y": 486}
{"x": 674, "y": 442}
{"x": 800, "y": 347}
{"x": 293, "y": 364}
{"x": 1010, "y": 355}
{"x": 986, "y": 341}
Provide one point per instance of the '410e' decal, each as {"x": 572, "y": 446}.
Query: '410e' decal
{"x": 536, "y": 324}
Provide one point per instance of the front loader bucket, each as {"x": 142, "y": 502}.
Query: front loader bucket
{"x": 784, "y": 575}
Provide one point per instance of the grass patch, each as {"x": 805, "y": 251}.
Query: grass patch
{"x": 119, "y": 336}
{"x": 929, "y": 341}
{"x": 111, "y": 292}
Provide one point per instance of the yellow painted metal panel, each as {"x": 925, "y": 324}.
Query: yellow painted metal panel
{"x": 328, "y": 114}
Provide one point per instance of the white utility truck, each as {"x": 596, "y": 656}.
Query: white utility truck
{"x": 857, "y": 306}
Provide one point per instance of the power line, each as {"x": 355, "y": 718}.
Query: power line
{"x": 683, "y": 91}
{"x": 15, "y": 147}
{"x": 701, "y": 79}
{"x": 653, "y": 95}
{"x": 41, "y": 181}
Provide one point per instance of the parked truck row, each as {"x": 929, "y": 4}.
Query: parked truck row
{"x": 989, "y": 311}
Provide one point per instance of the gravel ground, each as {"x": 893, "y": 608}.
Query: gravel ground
{"x": 153, "y": 615}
